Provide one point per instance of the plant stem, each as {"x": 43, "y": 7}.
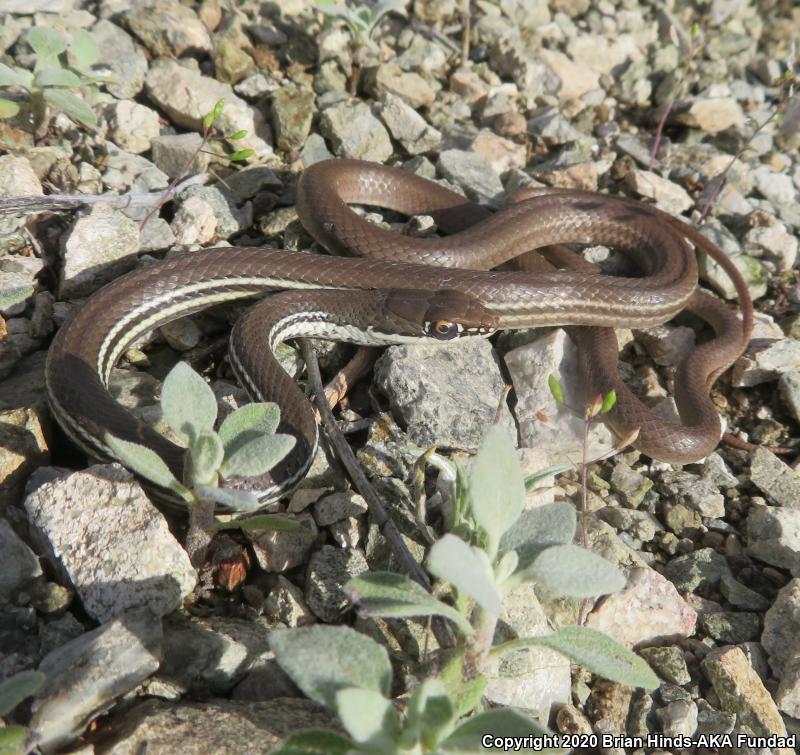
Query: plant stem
{"x": 198, "y": 537}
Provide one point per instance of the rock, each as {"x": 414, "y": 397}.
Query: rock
{"x": 695, "y": 493}
{"x": 773, "y": 536}
{"x": 279, "y": 550}
{"x": 118, "y": 553}
{"x": 20, "y": 564}
{"x": 230, "y": 217}
{"x": 740, "y": 595}
{"x": 169, "y": 29}
{"x": 408, "y": 85}
{"x": 700, "y": 570}
{"x": 285, "y": 603}
{"x": 668, "y": 662}
{"x": 214, "y": 727}
{"x": 742, "y": 692}
{"x": 407, "y": 126}
{"x": 179, "y": 155}
{"x": 774, "y": 242}
{"x": 292, "y": 112}
{"x": 125, "y": 59}
{"x": 575, "y": 79}
{"x": 678, "y": 718}
{"x": 131, "y": 126}
{"x": 629, "y": 484}
{"x": 85, "y": 676}
{"x": 355, "y": 133}
{"x": 186, "y": 97}
{"x": 25, "y": 387}
{"x": 231, "y": 61}
{"x": 787, "y": 696}
{"x": 779, "y": 482}
{"x": 712, "y": 115}
{"x": 328, "y": 571}
{"x": 337, "y": 506}
{"x": 729, "y": 627}
{"x": 667, "y": 195}
{"x": 194, "y": 222}
{"x": 125, "y": 171}
{"x": 17, "y": 178}
{"x": 99, "y": 246}
{"x": 765, "y": 361}
{"x": 210, "y": 654}
{"x": 641, "y": 525}
{"x": 649, "y": 610}
{"x": 23, "y": 448}
{"x": 502, "y": 154}
{"x": 782, "y": 627}
{"x": 445, "y": 395}
{"x": 473, "y": 173}
{"x": 778, "y": 188}
{"x": 712, "y": 721}
{"x": 533, "y": 679}
{"x": 789, "y": 388}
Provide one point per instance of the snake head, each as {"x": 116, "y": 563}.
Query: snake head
{"x": 444, "y": 315}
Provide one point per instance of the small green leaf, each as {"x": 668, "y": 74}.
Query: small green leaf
{"x": 540, "y": 528}
{"x": 322, "y": 660}
{"x": 55, "y": 77}
{"x": 695, "y": 29}
{"x": 187, "y": 402}
{"x": 147, "y": 463}
{"x": 532, "y": 481}
{"x": 257, "y": 456}
{"x": 234, "y": 137}
{"x": 12, "y": 740}
{"x": 316, "y": 742}
{"x": 497, "y": 490}
{"x": 84, "y": 48}
{"x": 555, "y": 388}
{"x": 609, "y": 400}
{"x": 368, "y": 717}
{"x": 205, "y": 457}
{"x": 235, "y": 500}
{"x": 71, "y": 105}
{"x": 46, "y": 42}
{"x": 258, "y": 523}
{"x": 208, "y": 119}
{"x": 467, "y": 569}
{"x": 248, "y": 422}
{"x": 396, "y": 596}
{"x": 11, "y": 76}
{"x": 8, "y": 109}
{"x": 218, "y": 107}
{"x": 11, "y": 296}
{"x": 500, "y": 723}
{"x": 597, "y": 653}
{"x": 575, "y": 572}
{"x": 16, "y": 688}
{"x": 242, "y": 154}
{"x": 430, "y": 714}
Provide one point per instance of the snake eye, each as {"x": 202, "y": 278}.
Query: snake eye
{"x": 444, "y": 330}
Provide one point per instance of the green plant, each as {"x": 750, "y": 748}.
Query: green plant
{"x": 14, "y": 740}
{"x": 245, "y": 445}
{"x": 502, "y": 546}
{"x": 11, "y": 296}
{"x": 52, "y": 78}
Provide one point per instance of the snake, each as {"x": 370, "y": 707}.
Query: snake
{"x": 377, "y": 286}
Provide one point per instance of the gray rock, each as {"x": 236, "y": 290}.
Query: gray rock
{"x": 408, "y": 85}
{"x": 667, "y": 195}
{"x": 407, "y": 126}
{"x": 265, "y": 681}
{"x": 125, "y": 59}
{"x": 678, "y": 719}
{"x": 20, "y": 564}
{"x": 668, "y": 662}
{"x": 131, "y": 126}
{"x": 765, "y": 361}
{"x": 712, "y": 114}
{"x": 355, "y": 132}
{"x": 778, "y": 188}
{"x": 86, "y": 675}
{"x": 445, "y": 395}
{"x": 473, "y": 173}
{"x": 285, "y": 603}
{"x": 774, "y": 242}
{"x": 17, "y": 178}
{"x": 25, "y": 387}
{"x": 715, "y": 469}
{"x": 292, "y": 112}
{"x": 742, "y": 596}
{"x": 789, "y": 388}
{"x": 777, "y": 480}
{"x": 118, "y": 553}
{"x": 279, "y": 550}
{"x": 424, "y": 55}
{"x": 629, "y": 484}
{"x": 169, "y": 29}
{"x": 210, "y": 654}
{"x": 787, "y": 696}
{"x": 773, "y": 536}
{"x": 782, "y": 626}
{"x": 699, "y": 494}
{"x": 186, "y": 97}
{"x": 58, "y": 632}
{"x": 641, "y": 525}
{"x": 23, "y": 448}
{"x": 337, "y": 506}
{"x": 548, "y": 124}
{"x": 217, "y": 726}
{"x": 231, "y": 218}
{"x": 125, "y": 171}
{"x": 741, "y": 691}
{"x": 328, "y": 571}
{"x": 713, "y": 721}
{"x": 179, "y": 155}
{"x": 700, "y": 570}
{"x": 315, "y": 150}
{"x": 730, "y": 628}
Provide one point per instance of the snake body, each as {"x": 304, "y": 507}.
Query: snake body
{"x": 400, "y": 290}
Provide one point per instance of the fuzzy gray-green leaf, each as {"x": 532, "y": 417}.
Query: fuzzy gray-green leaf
{"x": 540, "y": 528}
{"x": 12, "y": 740}
{"x": 316, "y": 742}
{"x": 575, "y": 572}
{"x": 497, "y": 488}
{"x": 8, "y": 108}
{"x": 56, "y": 77}
{"x": 236, "y": 500}
{"x": 46, "y": 42}
{"x": 454, "y": 561}
{"x": 500, "y": 722}
{"x": 16, "y": 688}
{"x": 147, "y": 463}
{"x": 205, "y": 457}
{"x": 322, "y": 660}
{"x": 396, "y": 596}
{"x": 71, "y": 105}
{"x": 248, "y": 422}
{"x": 13, "y": 76}
{"x": 368, "y": 717}
{"x": 84, "y": 48}
{"x": 188, "y": 404}
{"x": 257, "y": 456}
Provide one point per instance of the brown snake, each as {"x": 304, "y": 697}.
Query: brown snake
{"x": 416, "y": 288}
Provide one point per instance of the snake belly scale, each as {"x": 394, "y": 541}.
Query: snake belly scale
{"x": 404, "y": 289}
